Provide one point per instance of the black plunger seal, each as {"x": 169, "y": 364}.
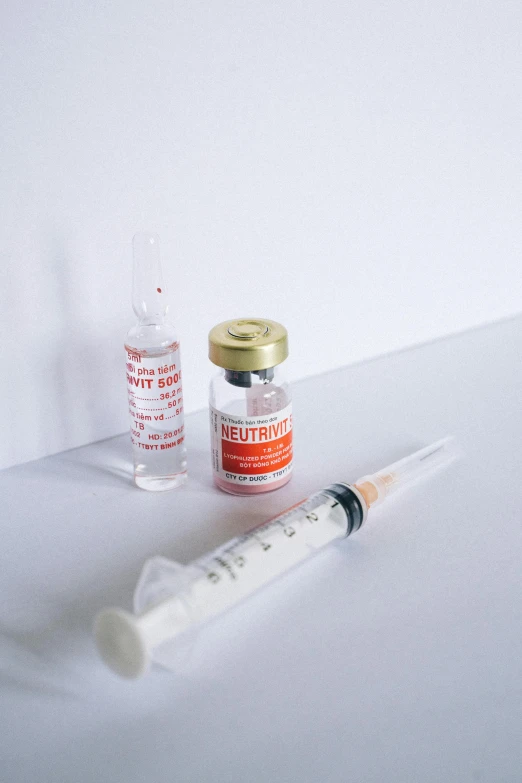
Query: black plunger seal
{"x": 351, "y": 503}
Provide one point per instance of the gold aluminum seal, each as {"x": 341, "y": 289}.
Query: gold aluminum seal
{"x": 248, "y": 344}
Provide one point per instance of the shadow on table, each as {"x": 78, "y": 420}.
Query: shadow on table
{"x": 49, "y": 658}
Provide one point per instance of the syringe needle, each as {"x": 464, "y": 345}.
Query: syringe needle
{"x": 406, "y": 472}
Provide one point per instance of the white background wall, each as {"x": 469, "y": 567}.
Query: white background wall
{"x": 351, "y": 169}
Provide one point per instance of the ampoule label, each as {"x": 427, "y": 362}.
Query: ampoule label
{"x": 155, "y": 399}
{"x": 252, "y": 450}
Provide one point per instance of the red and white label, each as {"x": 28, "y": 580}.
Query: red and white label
{"x": 252, "y": 450}
{"x": 155, "y": 399}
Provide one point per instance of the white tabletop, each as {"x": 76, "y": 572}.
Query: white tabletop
{"x": 395, "y": 655}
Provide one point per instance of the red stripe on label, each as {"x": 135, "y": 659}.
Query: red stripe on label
{"x": 251, "y": 459}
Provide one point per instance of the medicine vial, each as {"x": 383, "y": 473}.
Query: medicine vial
{"x": 250, "y": 407}
{"x": 154, "y": 384}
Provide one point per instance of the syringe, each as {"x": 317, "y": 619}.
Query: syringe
{"x": 225, "y": 576}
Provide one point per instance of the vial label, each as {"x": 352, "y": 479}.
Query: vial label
{"x": 155, "y": 399}
{"x": 252, "y": 450}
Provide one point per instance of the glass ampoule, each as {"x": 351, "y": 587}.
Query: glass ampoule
{"x": 154, "y": 382}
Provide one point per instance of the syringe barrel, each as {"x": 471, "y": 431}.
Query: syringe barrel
{"x": 224, "y": 577}
{"x": 407, "y": 471}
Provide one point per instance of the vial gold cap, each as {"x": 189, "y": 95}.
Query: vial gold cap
{"x": 248, "y": 344}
